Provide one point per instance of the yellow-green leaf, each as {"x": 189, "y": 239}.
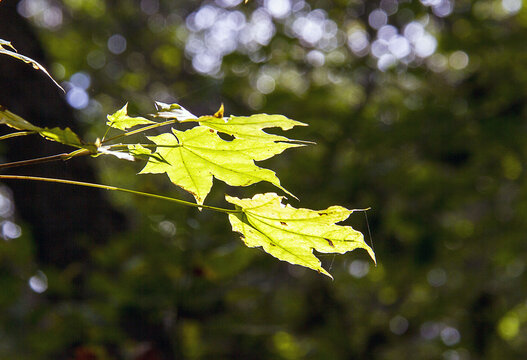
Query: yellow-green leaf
{"x": 64, "y": 136}
{"x": 194, "y": 156}
{"x": 242, "y": 127}
{"x": 291, "y": 234}
{"x": 120, "y": 119}
{"x": 251, "y": 127}
{"x": 138, "y": 151}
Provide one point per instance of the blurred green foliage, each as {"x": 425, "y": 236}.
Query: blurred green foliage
{"x": 434, "y": 144}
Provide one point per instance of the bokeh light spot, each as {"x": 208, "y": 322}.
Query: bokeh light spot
{"x": 150, "y": 7}
{"x": 81, "y": 80}
{"x": 359, "y": 268}
{"x": 315, "y": 58}
{"x": 10, "y": 230}
{"x": 117, "y": 44}
{"x": 429, "y": 330}
{"x": 265, "y": 84}
{"x": 399, "y": 46}
{"x": 425, "y": 45}
{"x": 358, "y": 42}
{"x": 436, "y": 277}
{"x": 278, "y": 8}
{"x": 386, "y": 61}
{"x": 77, "y": 98}
{"x": 377, "y": 18}
{"x": 38, "y": 282}
{"x": 398, "y": 325}
{"x": 458, "y": 60}
{"x": 509, "y": 326}
{"x": 511, "y": 6}
{"x": 450, "y": 336}
{"x": 96, "y": 59}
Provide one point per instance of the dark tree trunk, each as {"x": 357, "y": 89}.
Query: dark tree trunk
{"x": 65, "y": 220}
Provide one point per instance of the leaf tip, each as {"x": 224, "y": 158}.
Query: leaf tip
{"x": 373, "y": 257}
{"x": 219, "y": 114}
{"x": 324, "y": 272}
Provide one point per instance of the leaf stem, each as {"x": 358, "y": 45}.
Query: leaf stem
{"x": 19, "y": 133}
{"x": 45, "y": 159}
{"x": 114, "y": 188}
{"x": 125, "y": 146}
{"x": 146, "y": 128}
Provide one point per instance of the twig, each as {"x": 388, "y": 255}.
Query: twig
{"x": 114, "y": 188}
{"x": 45, "y": 159}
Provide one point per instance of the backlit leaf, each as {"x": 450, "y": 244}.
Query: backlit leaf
{"x": 291, "y": 234}
{"x": 120, "y": 119}
{"x": 194, "y": 156}
{"x": 64, "y": 136}
{"x": 242, "y": 127}
{"x": 251, "y": 127}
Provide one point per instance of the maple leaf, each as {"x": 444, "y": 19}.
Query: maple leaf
{"x": 120, "y": 119}
{"x": 251, "y": 127}
{"x": 291, "y": 234}
{"x": 193, "y": 157}
{"x": 241, "y": 127}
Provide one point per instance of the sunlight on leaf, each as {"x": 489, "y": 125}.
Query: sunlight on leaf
{"x": 242, "y": 127}
{"x": 173, "y": 111}
{"x": 105, "y": 150}
{"x": 138, "y": 151}
{"x": 120, "y": 119}
{"x": 64, "y": 136}
{"x": 291, "y": 234}
{"x": 194, "y": 156}
{"x": 251, "y": 127}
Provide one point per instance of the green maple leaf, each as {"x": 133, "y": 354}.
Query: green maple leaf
{"x": 251, "y": 127}
{"x": 120, "y": 119}
{"x": 241, "y": 127}
{"x": 291, "y": 234}
{"x": 193, "y": 157}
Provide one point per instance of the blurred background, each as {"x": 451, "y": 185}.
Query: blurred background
{"x": 418, "y": 109}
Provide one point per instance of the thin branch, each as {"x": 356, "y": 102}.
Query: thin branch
{"x": 146, "y": 128}
{"x": 20, "y": 133}
{"x": 45, "y": 159}
{"x": 114, "y": 188}
{"x": 125, "y": 146}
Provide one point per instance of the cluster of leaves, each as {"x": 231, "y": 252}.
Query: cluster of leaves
{"x": 193, "y": 157}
